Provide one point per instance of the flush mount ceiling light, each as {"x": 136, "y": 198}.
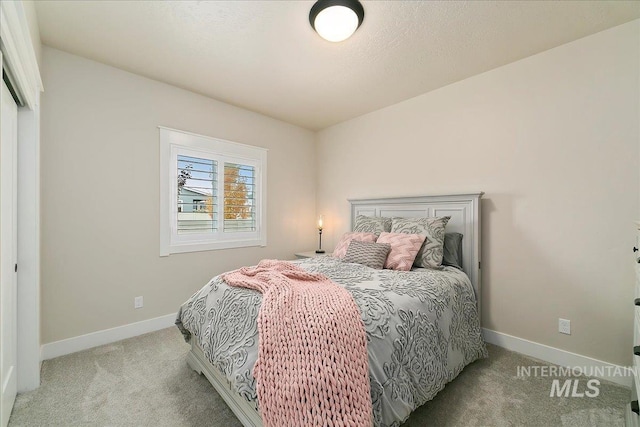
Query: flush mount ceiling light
{"x": 336, "y": 20}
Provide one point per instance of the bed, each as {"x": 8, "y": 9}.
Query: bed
{"x": 422, "y": 326}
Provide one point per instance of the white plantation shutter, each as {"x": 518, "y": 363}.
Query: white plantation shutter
{"x": 197, "y": 210}
{"x": 212, "y": 193}
{"x": 239, "y": 202}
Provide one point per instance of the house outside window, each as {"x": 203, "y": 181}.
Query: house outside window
{"x": 212, "y": 193}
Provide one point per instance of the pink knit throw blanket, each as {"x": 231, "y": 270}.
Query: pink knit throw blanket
{"x": 312, "y": 367}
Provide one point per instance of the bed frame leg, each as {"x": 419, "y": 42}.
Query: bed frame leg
{"x": 194, "y": 363}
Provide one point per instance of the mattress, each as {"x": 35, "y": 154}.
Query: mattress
{"x": 422, "y": 329}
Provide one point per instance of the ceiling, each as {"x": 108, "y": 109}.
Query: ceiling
{"x": 264, "y": 56}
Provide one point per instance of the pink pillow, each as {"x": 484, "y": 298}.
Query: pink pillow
{"x": 341, "y": 248}
{"x": 404, "y": 248}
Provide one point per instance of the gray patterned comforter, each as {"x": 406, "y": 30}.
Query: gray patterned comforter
{"x": 422, "y": 329}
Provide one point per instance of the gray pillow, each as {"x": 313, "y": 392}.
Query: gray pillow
{"x": 430, "y": 254}
{"x": 452, "y": 254}
{"x": 372, "y": 224}
{"x": 370, "y": 254}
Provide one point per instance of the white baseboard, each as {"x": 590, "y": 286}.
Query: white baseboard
{"x": 107, "y": 336}
{"x": 614, "y": 373}
{"x": 519, "y": 345}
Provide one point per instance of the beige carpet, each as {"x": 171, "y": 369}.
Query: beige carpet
{"x": 145, "y": 381}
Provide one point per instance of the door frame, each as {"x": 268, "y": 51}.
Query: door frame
{"x": 20, "y": 59}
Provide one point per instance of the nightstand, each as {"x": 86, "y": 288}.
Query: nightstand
{"x": 310, "y": 254}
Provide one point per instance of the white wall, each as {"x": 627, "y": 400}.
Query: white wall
{"x": 100, "y": 194}
{"x": 553, "y": 140}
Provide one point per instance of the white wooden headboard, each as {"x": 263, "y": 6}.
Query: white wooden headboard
{"x": 464, "y": 210}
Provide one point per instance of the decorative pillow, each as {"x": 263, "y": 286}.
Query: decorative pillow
{"x": 430, "y": 254}
{"x": 372, "y": 224}
{"x": 370, "y": 254}
{"x": 404, "y": 248}
{"x": 452, "y": 254}
{"x": 343, "y": 244}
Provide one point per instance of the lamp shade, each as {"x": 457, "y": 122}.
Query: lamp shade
{"x": 336, "y": 20}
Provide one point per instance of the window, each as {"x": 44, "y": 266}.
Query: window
{"x": 212, "y": 193}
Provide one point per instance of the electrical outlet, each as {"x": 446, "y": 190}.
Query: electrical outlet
{"x": 137, "y": 302}
{"x": 564, "y": 326}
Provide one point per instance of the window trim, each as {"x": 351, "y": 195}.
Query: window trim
{"x": 172, "y": 140}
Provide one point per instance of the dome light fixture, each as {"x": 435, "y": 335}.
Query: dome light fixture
{"x": 336, "y": 20}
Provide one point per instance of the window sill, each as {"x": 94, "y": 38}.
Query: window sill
{"x": 210, "y": 246}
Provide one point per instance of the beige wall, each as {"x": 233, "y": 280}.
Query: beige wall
{"x": 553, "y": 140}
{"x": 100, "y": 194}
